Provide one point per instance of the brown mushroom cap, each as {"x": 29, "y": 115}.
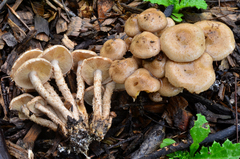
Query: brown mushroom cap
{"x": 120, "y": 70}
{"x": 219, "y": 39}
{"x": 196, "y": 76}
{"x": 61, "y": 54}
{"x": 167, "y": 89}
{"x": 114, "y": 49}
{"x": 156, "y": 67}
{"x": 23, "y": 58}
{"x": 80, "y": 55}
{"x": 90, "y": 65}
{"x": 152, "y": 20}
{"x": 183, "y": 42}
{"x": 40, "y": 65}
{"x": 131, "y": 27}
{"x": 141, "y": 80}
{"x": 145, "y": 45}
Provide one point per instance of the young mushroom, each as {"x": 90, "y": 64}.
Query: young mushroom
{"x": 145, "y": 45}
{"x": 141, "y": 80}
{"x": 61, "y": 61}
{"x": 219, "y": 39}
{"x": 114, "y": 49}
{"x": 131, "y": 27}
{"x": 183, "y": 42}
{"x": 152, "y": 20}
{"x": 78, "y": 57}
{"x": 196, "y": 76}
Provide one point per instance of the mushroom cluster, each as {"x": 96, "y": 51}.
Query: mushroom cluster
{"x": 178, "y": 56}
{"x": 34, "y": 68}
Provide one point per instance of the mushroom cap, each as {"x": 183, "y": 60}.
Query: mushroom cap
{"x": 170, "y": 23}
{"x": 34, "y": 53}
{"x": 61, "y": 54}
{"x": 167, "y": 89}
{"x": 89, "y": 94}
{"x": 196, "y": 76}
{"x": 152, "y": 20}
{"x": 17, "y": 102}
{"x": 90, "y": 65}
{"x": 145, "y": 45}
{"x": 114, "y": 49}
{"x": 219, "y": 39}
{"x": 80, "y": 55}
{"x": 40, "y": 65}
{"x": 120, "y": 70}
{"x": 183, "y": 42}
{"x": 156, "y": 67}
{"x": 155, "y": 96}
{"x": 131, "y": 27}
{"x": 141, "y": 80}
{"x": 31, "y": 105}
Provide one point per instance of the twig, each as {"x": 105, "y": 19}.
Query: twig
{"x": 235, "y": 98}
{"x": 64, "y": 8}
{"x": 3, "y": 4}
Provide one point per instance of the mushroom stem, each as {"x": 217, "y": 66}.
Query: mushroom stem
{"x": 80, "y": 94}
{"x": 36, "y": 82}
{"x": 52, "y": 116}
{"x": 107, "y": 99}
{"x": 55, "y": 96}
{"x": 38, "y": 120}
{"x": 64, "y": 88}
{"x": 97, "y": 107}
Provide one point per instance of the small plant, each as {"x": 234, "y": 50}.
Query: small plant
{"x": 180, "y": 4}
{"x": 199, "y": 132}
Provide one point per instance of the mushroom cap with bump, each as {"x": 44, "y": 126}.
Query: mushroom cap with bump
{"x": 183, "y": 42}
{"x": 34, "y": 53}
{"x": 131, "y": 27}
{"x": 219, "y": 39}
{"x": 145, "y": 45}
{"x": 90, "y": 65}
{"x": 196, "y": 76}
{"x": 61, "y": 54}
{"x": 80, "y": 55}
{"x": 41, "y": 66}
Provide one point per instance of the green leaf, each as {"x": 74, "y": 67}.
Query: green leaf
{"x": 228, "y": 150}
{"x": 199, "y": 132}
{"x": 189, "y": 3}
{"x": 167, "y": 142}
{"x": 177, "y": 17}
{"x": 160, "y": 2}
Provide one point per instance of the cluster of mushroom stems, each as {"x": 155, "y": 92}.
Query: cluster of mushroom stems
{"x": 166, "y": 58}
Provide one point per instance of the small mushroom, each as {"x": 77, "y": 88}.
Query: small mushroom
{"x": 152, "y": 20}
{"x": 114, "y": 49}
{"x": 141, "y": 80}
{"x": 196, "y": 76}
{"x": 156, "y": 67}
{"x": 131, "y": 27}
{"x": 170, "y": 23}
{"x": 120, "y": 70}
{"x": 61, "y": 61}
{"x": 183, "y": 42}
{"x": 145, "y": 45}
{"x": 32, "y": 74}
{"x": 78, "y": 57}
{"x": 219, "y": 39}
{"x": 167, "y": 89}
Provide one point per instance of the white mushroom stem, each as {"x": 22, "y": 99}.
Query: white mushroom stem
{"x": 38, "y": 120}
{"x": 97, "y": 107}
{"x": 52, "y": 116}
{"x": 36, "y": 82}
{"x": 80, "y": 93}
{"x": 64, "y": 88}
{"x": 107, "y": 99}
{"x": 55, "y": 96}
